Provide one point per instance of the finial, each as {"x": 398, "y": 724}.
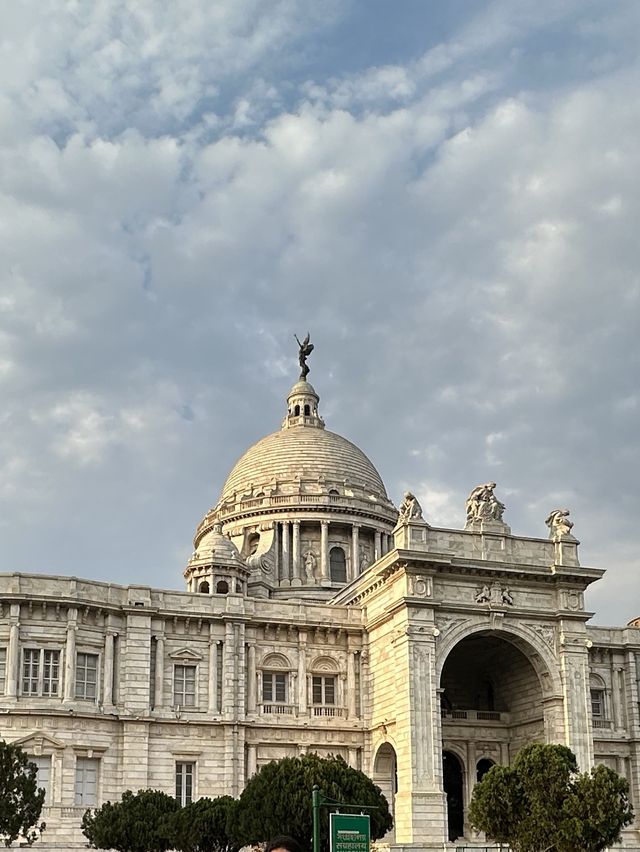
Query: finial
{"x": 306, "y": 349}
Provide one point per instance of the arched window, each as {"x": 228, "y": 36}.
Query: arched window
{"x": 307, "y": 410}
{"x": 324, "y": 687}
{"x": 203, "y": 588}
{"x": 274, "y": 677}
{"x": 338, "y": 565}
{"x": 296, "y": 410}
{"x": 598, "y": 703}
{"x": 222, "y": 587}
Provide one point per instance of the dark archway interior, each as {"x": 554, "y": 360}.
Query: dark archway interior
{"x": 489, "y": 683}
{"x": 453, "y": 788}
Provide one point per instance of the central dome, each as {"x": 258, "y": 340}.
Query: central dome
{"x": 304, "y": 507}
{"x": 307, "y": 454}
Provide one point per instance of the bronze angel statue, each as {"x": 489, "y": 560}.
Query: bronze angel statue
{"x": 306, "y": 349}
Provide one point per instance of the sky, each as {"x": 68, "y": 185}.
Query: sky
{"x": 445, "y": 194}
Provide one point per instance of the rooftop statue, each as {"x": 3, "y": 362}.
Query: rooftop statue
{"x": 559, "y": 523}
{"x": 483, "y": 505}
{"x": 409, "y": 508}
{"x": 306, "y": 349}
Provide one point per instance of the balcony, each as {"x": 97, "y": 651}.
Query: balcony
{"x": 327, "y": 710}
{"x": 273, "y": 709}
{"x": 603, "y": 724}
{"x": 474, "y": 716}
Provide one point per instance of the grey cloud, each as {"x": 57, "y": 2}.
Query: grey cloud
{"x": 467, "y": 266}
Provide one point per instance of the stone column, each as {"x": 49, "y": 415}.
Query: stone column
{"x": 276, "y": 551}
{"x": 420, "y": 801}
{"x": 252, "y": 760}
{"x": 13, "y": 655}
{"x": 158, "y": 681}
{"x": 324, "y": 553}
{"x": 70, "y": 655}
{"x": 471, "y": 775}
{"x": 355, "y": 541}
{"x": 351, "y": 685}
{"x": 213, "y": 672}
{"x": 353, "y": 759}
{"x": 251, "y": 679}
{"x": 302, "y": 673}
{"x": 107, "y": 684}
{"x": 285, "y": 581}
{"x": 377, "y": 545}
{"x": 228, "y": 697}
{"x": 295, "y": 555}
{"x": 577, "y": 706}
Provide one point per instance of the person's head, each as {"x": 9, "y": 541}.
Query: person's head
{"x": 283, "y": 844}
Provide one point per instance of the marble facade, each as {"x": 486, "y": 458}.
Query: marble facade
{"x": 318, "y": 618}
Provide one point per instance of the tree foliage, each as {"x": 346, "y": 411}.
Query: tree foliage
{"x": 20, "y": 799}
{"x": 277, "y": 800}
{"x": 542, "y": 803}
{"x": 140, "y": 822}
{"x": 201, "y": 826}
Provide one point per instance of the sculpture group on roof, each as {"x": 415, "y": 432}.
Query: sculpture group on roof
{"x": 483, "y": 505}
{"x": 559, "y": 523}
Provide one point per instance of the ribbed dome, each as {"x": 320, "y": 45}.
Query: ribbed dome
{"x": 307, "y": 453}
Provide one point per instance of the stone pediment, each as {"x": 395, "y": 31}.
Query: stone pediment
{"x": 37, "y": 743}
{"x": 185, "y": 654}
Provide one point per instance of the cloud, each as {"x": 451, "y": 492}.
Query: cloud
{"x": 461, "y": 246}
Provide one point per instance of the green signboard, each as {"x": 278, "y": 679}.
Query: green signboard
{"x": 349, "y": 832}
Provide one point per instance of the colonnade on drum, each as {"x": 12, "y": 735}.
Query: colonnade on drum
{"x": 302, "y": 550}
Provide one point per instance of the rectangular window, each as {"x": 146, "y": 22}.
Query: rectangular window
{"x": 597, "y": 703}
{"x": 184, "y": 783}
{"x": 30, "y": 671}
{"x": 184, "y": 686}
{"x": 86, "y": 676}
{"x": 86, "y": 781}
{"x": 44, "y": 774}
{"x": 274, "y": 687}
{"x": 51, "y": 673}
{"x": 3, "y": 669}
{"x": 40, "y": 672}
{"x": 323, "y": 690}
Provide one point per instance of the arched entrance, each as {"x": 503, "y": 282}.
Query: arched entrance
{"x": 453, "y": 780}
{"x": 385, "y": 773}
{"x": 491, "y": 706}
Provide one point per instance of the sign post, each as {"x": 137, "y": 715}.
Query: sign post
{"x": 349, "y": 832}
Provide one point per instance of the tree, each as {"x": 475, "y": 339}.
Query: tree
{"x": 140, "y": 822}
{"x": 542, "y": 803}
{"x": 277, "y": 800}
{"x": 20, "y": 799}
{"x": 201, "y": 826}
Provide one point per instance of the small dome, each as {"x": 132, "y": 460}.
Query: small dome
{"x": 223, "y": 550}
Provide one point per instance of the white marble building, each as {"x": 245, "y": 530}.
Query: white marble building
{"x": 318, "y": 618}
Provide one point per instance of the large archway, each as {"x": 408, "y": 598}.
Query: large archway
{"x": 491, "y": 706}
